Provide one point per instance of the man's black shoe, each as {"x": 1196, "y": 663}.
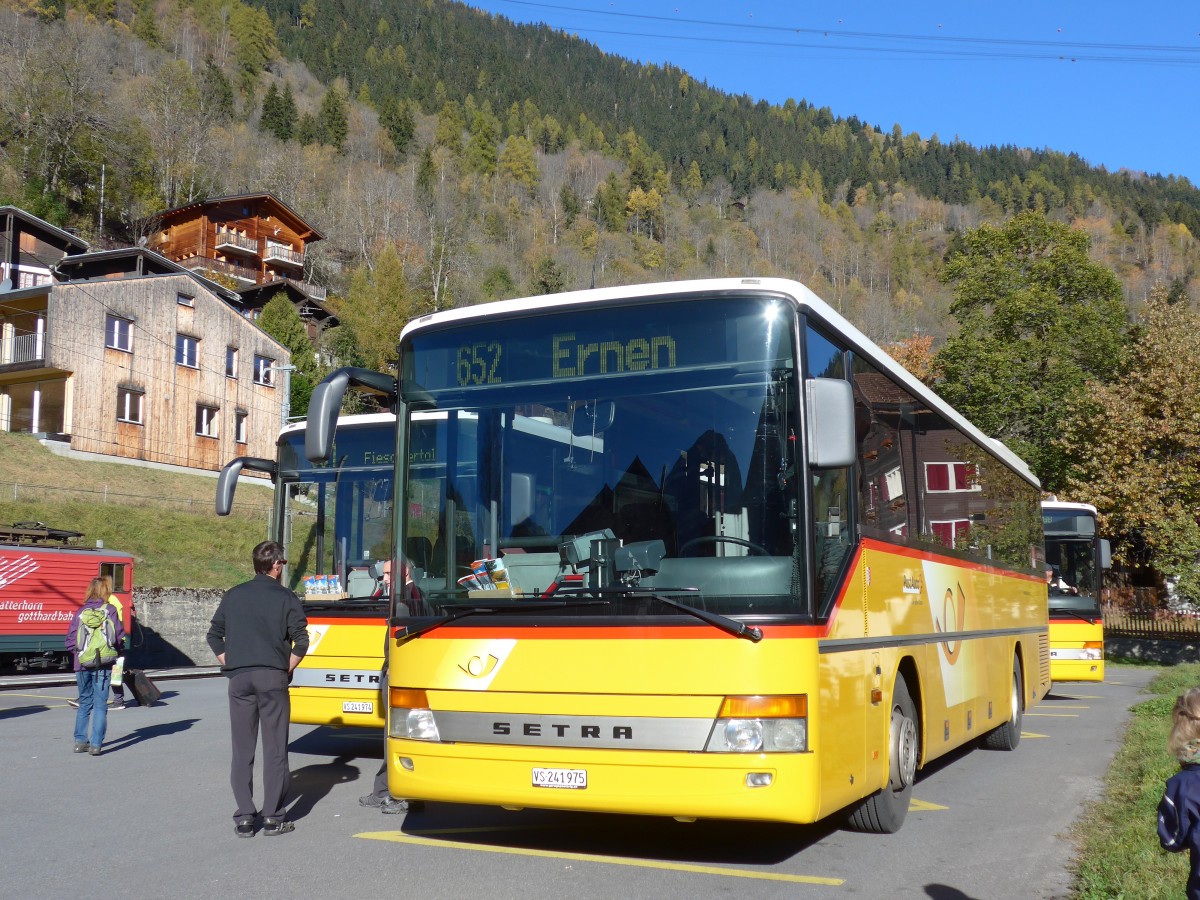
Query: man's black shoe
{"x": 245, "y": 828}
{"x": 272, "y": 827}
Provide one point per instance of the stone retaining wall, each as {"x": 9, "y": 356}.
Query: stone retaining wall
{"x": 171, "y": 627}
{"x": 1168, "y": 653}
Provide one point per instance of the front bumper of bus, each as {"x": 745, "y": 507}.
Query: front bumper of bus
{"x": 761, "y": 786}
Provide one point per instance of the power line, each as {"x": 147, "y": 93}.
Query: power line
{"x": 1060, "y": 50}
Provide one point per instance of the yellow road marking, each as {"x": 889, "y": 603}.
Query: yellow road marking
{"x": 915, "y": 805}
{"x": 1030, "y": 734}
{"x": 401, "y": 838}
{"x": 1053, "y": 715}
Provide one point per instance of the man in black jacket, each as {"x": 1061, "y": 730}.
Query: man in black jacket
{"x": 259, "y": 634}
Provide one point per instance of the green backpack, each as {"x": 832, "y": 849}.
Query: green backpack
{"x": 96, "y": 639}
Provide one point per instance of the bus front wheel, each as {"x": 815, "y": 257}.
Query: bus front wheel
{"x": 1008, "y": 735}
{"x": 884, "y": 812}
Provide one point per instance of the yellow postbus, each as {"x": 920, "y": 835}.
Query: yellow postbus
{"x": 1076, "y": 557}
{"x": 335, "y": 521}
{"x": 699, "y": 550}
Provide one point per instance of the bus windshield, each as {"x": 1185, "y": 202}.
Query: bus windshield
{"x": 1073, "y": 575}
{"x": 650, "y": 446}
{"x": 338, "y": 525}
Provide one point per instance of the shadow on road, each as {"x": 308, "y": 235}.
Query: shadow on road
{"x": 312, "y": 784}
{"x": 945, "y": 892}
{"x": 147, "y": 733}
{"x": 15, "y": 711}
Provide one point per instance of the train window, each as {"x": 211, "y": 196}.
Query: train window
{"x": 118, "y": 573}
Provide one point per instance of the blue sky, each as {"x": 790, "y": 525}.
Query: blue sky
{"x": 1116, "y": 83}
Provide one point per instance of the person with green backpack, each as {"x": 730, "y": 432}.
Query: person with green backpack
{"x": 95, "y": 638}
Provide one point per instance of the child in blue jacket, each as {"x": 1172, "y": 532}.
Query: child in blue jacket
{"x": 1179, "y": 810}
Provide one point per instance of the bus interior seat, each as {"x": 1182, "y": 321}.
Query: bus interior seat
{"x": 364, "y": 580}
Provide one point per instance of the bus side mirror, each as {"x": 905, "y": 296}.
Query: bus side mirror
{"x": 227, "y": 480}
{"x": 326, "y": 402}
{"x": 1105, "y": 554}
{"x": 829, "y": 409}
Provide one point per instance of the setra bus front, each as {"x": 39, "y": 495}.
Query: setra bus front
{"x": 646, "y": 590}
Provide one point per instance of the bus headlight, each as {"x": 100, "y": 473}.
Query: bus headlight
{"x": 761, "y": 724}
{"x": 1093, "y": 650}
{"x": 411, "y": 717}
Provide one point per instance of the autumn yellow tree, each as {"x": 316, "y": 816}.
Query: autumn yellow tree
{"x": 378, "y": 305}
{"x": 1136, "y": 444}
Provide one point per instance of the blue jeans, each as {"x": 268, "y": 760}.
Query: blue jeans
{"x": 93, "y": 701}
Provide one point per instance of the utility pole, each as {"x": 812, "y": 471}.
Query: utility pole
{"x": 286, "y": 408}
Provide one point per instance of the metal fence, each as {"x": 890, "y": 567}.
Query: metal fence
{"x": 18, "y": 491}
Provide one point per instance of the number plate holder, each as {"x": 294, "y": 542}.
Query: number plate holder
{"x": 561, "y": 779}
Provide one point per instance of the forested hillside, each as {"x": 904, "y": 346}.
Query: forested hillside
{"x": 453, "y": 157}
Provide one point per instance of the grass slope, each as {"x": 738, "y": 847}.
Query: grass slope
{"x": 165, "y": 519}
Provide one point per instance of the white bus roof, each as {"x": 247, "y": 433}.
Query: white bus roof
{"x": 1066, "y": 506}
{"x": 803, "y": 297}
{"x": 356, "y": 419}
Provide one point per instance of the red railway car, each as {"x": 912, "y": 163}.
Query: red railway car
{"x": 40, "y": 589}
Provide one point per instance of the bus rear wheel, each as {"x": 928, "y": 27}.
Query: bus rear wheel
{"x": 1008, "y": 735}
{"x": 884, "y": 812}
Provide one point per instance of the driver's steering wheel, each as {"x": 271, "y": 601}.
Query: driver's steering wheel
{"x": 723, "y": 539}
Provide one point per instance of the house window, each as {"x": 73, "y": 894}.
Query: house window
{"x": 187, "y": 351}
{"x": 950, "y": 477}
{"x": 206, "y": 420}
{"x": 262, "y": 371}
{"x": 951, "y": 532}
{"x": 242, "y": 430}
{"x": 129, "y": 406}
{"x": 118, "y": 333}
{"x": 185, "y": 299}
{"x": 231, "y": 361}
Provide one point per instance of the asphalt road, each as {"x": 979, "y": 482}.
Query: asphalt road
{"x": 152, "y": 818}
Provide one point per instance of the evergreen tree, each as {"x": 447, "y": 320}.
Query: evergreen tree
{"x": 145, "y": 24}
{"x": 287, "y": 113}
{"x": 307, "y": 130}
{"x": 280, "y": 320}
{"x": 548, "y": 277}
{"x": 269, "y": 119}
{"x": 332, "y": 122}
{"x": 216, "y": 92}
{"x": 396, "y": 119}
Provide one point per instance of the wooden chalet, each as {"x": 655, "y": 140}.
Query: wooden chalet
{"x": 250, "y": 238}
{"x": 130, "y": 354}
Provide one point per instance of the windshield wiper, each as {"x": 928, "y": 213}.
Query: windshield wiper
{"x": 726, "y": 624}
{"x": 411, "y": 631}
{"x": 1079, "y": 614}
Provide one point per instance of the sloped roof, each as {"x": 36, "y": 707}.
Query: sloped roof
{"x": 280, "y": 209}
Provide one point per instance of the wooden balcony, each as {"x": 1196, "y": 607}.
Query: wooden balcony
{"x": 196, "y": 263}
{"x": 231, "y": 241}
{"x": 283, "y": 256}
